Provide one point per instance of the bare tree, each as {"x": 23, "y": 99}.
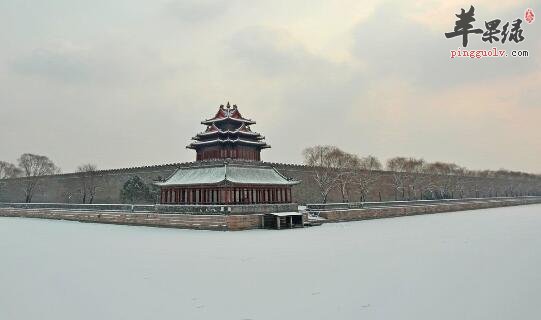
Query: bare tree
{"x": 326, "y": 162}
{"x": 87, "y": 172}
{"x": 428, "y": 186}
{"x": 347, "y": 163}
{"x": 406, "y": 174}
{"x": 397, "y": 166}
{"x": 449, "y": 179}
{"x": 414, "y": 178}
{"x": 9, "y": 170}
{"x": 367, "y": 175}
{"x": 34, "y": 167}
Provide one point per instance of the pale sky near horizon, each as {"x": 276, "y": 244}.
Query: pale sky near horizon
{"x": 126, "y": 83}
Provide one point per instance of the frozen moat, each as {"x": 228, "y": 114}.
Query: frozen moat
{"x": 482, "y": 264}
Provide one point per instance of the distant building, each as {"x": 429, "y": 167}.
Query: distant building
{"x": 228, "y": 167}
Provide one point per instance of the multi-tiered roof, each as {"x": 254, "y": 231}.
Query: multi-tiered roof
{"x": 228, "y": 135}
{"x": 224, "y": 180}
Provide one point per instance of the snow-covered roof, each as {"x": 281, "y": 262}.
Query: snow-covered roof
{"x": 228, "y": 132}
{"x": 199, "y": 143}
{"x": 285, "y": 214}
{"x": 210, "y": 121}
{"x": 228, "y": 113}
{"x": 236, "y": 174}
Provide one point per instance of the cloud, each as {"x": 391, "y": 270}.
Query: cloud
{"x": 137, "y": 78}
{"x": 61, "y": 62}
{"x": 197, "y": 11}
{"x": 391, "y": 44}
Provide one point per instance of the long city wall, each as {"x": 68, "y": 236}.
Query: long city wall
{"x": 65, "y": 188}
{"x": 243, "y": 221}
{"x": 181, "y": 221}
{"x": 402, "y": 209}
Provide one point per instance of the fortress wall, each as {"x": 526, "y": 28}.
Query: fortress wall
{"x": 65, "y": 188}
{"x": 181, "y": 221}
{"x": 234, "y": 222}
{"x": 390, "y": 212}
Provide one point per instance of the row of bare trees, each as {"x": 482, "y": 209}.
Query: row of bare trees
{"x": 411, "y": 178}
{"x": 35, "y": 167}
{"x": 336, "y": 168}
{"x": 32, "y": 167}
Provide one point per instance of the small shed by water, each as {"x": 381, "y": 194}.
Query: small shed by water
{"x": 279, "y": 220}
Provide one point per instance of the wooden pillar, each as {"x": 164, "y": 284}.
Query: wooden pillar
{"x": 278, "y": 222}
{"x": 290, "y": 222}
{"x": 289, "y": 195}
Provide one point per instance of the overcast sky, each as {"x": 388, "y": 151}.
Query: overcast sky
{"x": 124, "y": 83}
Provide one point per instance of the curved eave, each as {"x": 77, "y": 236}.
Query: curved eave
{"x": 210, "y": 133}
{"x": 165, "y": 184}
{"x": 211, "y": 121}
{"x": 288, "y": 183}
{"x": 196, "y": 144}
{"x": 226, "y": 174}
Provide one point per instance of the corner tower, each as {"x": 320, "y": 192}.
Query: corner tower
{"x": 228, "y": 136}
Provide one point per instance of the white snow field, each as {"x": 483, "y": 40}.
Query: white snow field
{"x": 483, "y": 264}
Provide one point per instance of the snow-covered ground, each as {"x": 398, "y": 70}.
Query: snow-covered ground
{"x": 483, "y": 264}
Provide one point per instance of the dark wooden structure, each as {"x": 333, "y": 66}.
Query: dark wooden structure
{"x": 228, "y": 136}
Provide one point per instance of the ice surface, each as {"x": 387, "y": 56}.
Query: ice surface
{"x": 482, "y": 264}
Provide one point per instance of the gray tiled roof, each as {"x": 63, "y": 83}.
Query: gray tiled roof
{"x": 236, "y": 174}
